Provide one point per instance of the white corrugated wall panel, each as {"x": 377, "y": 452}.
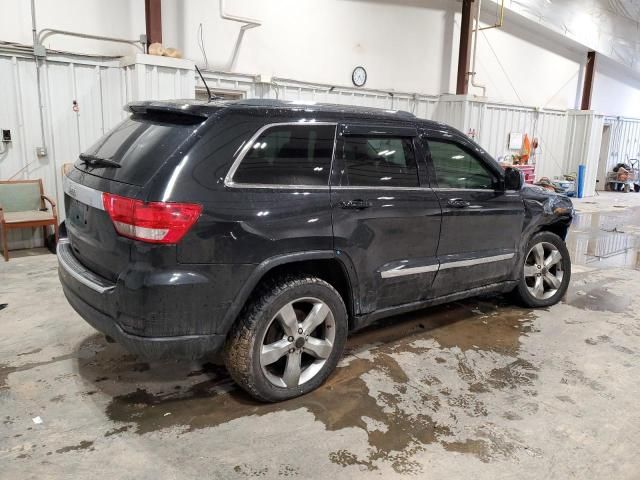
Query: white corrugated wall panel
{"x": 452, "y": 111}
{"x": 494, "y": 123}
{"x": 60, "y": 91}
{"x": 243, "y": 84}
{"x": 114, "y": 96}
{"x": 498, "y": 122}
{"x": 13, "y": 156}
{"x": 422, "y": 106}
{"x": 101, "y": 88}
{"x": 159, "y": 82}
{"x": 595, "y": 142}
{"x": 552, "y": 137}
{"x": 29, "y": 137}
{"x": 87, "y": 93}
{"x": 19, "y": 113}
{"x": 583, "y": 146}
{"x": 625, "y": 140}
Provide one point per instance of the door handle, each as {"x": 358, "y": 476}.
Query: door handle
{"x": 458, "y": 203}
{"x": 355, "y": 204}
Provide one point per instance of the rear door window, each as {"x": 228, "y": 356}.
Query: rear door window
{"x": 377, "y": 162}
{"x": 288, "y": 155}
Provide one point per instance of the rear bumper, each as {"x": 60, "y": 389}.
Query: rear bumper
{"x": 99, "y": 302}
{"x": 187, "y": 346}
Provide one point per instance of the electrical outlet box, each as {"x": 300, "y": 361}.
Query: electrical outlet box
{"x": 39, "y": 51}
{"x": 6, "y": 136}
{"x": 41, "y": 151}
{"x": 263, "y": 78}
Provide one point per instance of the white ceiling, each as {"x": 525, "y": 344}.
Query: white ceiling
{"x": 611, "y": 27}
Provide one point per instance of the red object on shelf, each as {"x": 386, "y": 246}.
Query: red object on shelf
{"x": 529, "y": 172}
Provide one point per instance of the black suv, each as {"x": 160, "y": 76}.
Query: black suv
{"x": 270, "y": 229}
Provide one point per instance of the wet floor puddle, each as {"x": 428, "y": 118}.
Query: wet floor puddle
{"x": 206, "y": 397}
{"x": 606, "y": 239}
{"x": 599, "y": 298}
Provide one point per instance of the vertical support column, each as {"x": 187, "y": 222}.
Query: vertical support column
{"x": 583, "y": 146}
{"x": 153, "y": 21}
{"x": 464, "y": 53}
{"x": 587, "y": 89}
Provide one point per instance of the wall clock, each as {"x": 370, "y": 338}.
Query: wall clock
{"x": 359, "y": 76}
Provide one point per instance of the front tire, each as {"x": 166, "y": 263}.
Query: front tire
{"x": 288, "y": 339}
{"x": 545, "y": 272}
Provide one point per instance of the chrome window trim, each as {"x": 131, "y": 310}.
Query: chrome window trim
{"x": 400, "y": 272}
{"x": 273, "y": 186}
{"x": 82, "y": 193}
{"x": 228, "y": 179}
{"x": 367, "y": 187}
{"x": 64, "y": 246}
{"x": 322, "y": 187}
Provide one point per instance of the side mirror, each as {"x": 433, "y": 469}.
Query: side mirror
{"x": 513, "y": 179}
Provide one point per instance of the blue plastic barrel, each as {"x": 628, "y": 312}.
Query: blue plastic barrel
{"x": 582, "y": 174}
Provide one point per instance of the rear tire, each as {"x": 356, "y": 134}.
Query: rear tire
{"x": 545, "y": 271}
{"x": 288, "y": 339}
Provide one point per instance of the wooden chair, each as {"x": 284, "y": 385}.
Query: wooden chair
{"x": 22, "y": 205}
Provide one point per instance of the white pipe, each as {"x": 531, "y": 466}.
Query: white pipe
{"x": 475, "y": 50}
{"x": 33, "y": 22}
{"x": 248, "y": 24}
{"x": 43, "y": 140}
{"x": 48, "y": 32}
{"x": 20, "y": 110}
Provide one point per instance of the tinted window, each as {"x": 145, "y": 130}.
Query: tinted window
{"x": 378, "y": 161}
{"x": 289, "y": 155}
{"x": 455, "y": 168}
{"x": 140, "y": 144}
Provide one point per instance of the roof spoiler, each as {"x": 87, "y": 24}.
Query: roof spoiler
{"x": 185, "y": 110}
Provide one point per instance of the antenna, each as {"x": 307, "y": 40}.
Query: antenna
{"x": 211, "y": 97}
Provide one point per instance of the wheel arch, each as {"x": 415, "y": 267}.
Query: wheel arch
{"x": 337, "y": 270}
{"x": 559, "y": 228}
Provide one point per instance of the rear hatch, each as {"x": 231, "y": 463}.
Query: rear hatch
{"x": 123, "y": 162}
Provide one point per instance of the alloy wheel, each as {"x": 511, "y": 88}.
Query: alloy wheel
{"x": 543, "y": 271}
{"x": 297, "y": 342}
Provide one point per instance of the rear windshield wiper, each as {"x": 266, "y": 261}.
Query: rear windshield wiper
{"x": 94, "y": 161}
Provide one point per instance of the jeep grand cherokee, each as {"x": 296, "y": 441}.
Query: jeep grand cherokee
{"x": 268, "y": 230}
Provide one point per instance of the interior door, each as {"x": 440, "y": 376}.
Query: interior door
{"x": 386, "y": 218}
{"x": 481, "y": 222}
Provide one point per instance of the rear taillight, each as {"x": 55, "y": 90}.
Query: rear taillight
{"x": 153, "y": 222}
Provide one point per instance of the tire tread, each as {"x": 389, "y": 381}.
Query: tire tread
{"x": 238, "y": 347}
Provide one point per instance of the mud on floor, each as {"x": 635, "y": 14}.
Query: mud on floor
{"x": 206, "y": 397}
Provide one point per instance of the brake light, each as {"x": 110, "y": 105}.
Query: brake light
{"x": 153, "y": 222}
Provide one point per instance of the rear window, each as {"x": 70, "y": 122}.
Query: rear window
{"x": 288, "y": 155}
{"x": 378, "y": 162}
{"x": 140, "y": 145}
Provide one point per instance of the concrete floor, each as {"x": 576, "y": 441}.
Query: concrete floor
{"x": 476, "y": 389}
